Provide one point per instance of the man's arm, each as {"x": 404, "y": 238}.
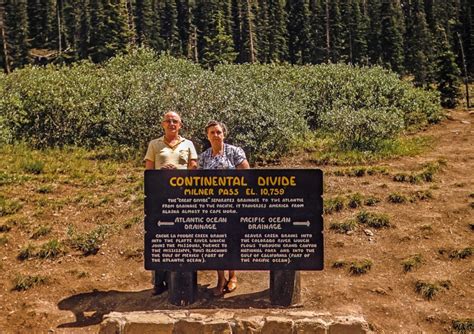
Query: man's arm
{"x": 149, "y": 164}
{"x": 192, "y": 164}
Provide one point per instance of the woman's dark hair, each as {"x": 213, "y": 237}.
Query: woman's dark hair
{"x": 215, "y": 123}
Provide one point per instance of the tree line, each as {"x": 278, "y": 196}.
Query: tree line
{"x": 416, "y": 37}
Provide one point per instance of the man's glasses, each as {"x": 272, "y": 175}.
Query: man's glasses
{"x": 171, "y": 121}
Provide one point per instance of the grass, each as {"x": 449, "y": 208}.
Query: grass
{"x": 423, "y": 195}
{"x": 371, "y": 201}
{"x": 344, "y": 227}
{"x": 9, "y": 206}
{"x": 44, "y": 189}
{"x": 339, "y": 264}
{"x": 464, "y": 326}
{"x": 425, "y": 175}
{"x": 78, "y": 273}
{"x": 334, "y": 204}
{"x": 397, "y": 198}
{"x": 372, "y": 219}
{"x": 3, "y": 240}
{"x": 132, "y": 221}
{"x": 360, "y": 267}
{"x": 5, "y": 227}
{"x": 88, "y": 243}
{"x": 32, "y": 166}
{"x": 355, "y": 201}
{"x": 41, "y": 231}
{"x": 412, "y": 262}
{"x": 26, "y": 282}
{"x": 326, "y": 152}
{"x": 430, "y": 290}
{"x": 27, "y": 252}
{"x": 462, "y": 253}
{"x": 50, "y": 250}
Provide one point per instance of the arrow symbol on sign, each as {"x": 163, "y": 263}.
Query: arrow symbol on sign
{"x": 160, "y": 223}
{"x": 302, "y": 223}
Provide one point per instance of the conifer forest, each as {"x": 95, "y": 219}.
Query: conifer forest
{"x": 419, "y": 38}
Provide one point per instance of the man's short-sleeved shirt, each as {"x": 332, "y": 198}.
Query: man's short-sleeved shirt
{"x": 179, "y": 155}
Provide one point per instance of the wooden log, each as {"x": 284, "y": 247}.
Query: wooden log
{"x": 285, "y": 287}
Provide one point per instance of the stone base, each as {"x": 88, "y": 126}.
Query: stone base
{"x": 232, "y": 322}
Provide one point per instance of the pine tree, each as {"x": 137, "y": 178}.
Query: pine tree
{"x": 357, "y": 28}
{"x": 447, "y": 76}
{"x": 143, "y": 21}
{"x": 263, "y": 32}
{"x": 392, "y": 36}
{"x": 169, "y": 28}
{"x": 277, "y": 39}
{"x": 71, "y": 27}
{"x": 236, "y": 27}
{"x": 317, "y": 32}
{"x": 219, "y": 47}
{"x": 298, "y": 31}
{"x": 16, "y": 26}
{"x": 83, "y": 35}
{"x": 185, "y": 27}
{"x": 248, "y": 51}
{"x": 418, "y": 43}
{"x": 156, "y": 41}
{"x": 373, "y": 14}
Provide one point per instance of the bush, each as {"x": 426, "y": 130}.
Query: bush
{"x": 88, "y": 243}
{"x": 362, "y": 129}
{"x": 25, "y": 282}
{"x": 266, "y": 107}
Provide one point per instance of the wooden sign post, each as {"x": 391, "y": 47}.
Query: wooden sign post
{"x": 257, "y": 219}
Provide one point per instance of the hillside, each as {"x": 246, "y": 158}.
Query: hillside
{"x": 72, "y": 240}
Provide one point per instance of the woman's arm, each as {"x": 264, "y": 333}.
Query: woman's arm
{"x": 243, "y": 165}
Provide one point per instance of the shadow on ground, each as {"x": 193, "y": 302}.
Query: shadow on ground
{"x": 89, "y": 308}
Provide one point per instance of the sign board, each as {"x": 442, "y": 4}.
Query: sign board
{"x": 254, "y": 219}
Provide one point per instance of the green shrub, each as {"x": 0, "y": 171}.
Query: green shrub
{"x": 27, "y": 252}
{"x": 344, "y": 227}
{"x": 33, "y": 166}
{"x": 88, "y": 243}
{"x": 334, "y": 204}
{"x": 266, "y": 107}
{"x": 462, "y": 253}
{"x": 25, "y": 282}
{"x": 371, "y": 201}
{"x": 396, "y": 198}
{"x": 373, "y": 219}
{"x": 430, "y": 290}
{"x": 463, "y": 326}
{"x": 41, "y": 231}
{"x": 339, "y": 264}
{"x": 412, "y": 262}
{"x": 360, "y": 267}
{"x": 355, "y": 201}
{"x": 9, "y": 206}
{"x": 51, "y": 250}
{"x": 3, "y": 240}
{"x": 362, "y": 129}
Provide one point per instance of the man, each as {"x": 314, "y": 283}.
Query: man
{"x": 169, "y": 152}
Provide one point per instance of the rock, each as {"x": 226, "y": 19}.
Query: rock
{"x": 249, "y": 325}
{"x": 349, "y": 325}
{"x": 465, "y": 122}
{"x": 277, "y": 325}
{"x": 310, "y": 326}
{"x": 368, "y": 232}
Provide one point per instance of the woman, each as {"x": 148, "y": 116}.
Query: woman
{"x": 222, "y": 156}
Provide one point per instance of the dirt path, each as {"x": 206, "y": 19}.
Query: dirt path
{"x": 82, "y": 289}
